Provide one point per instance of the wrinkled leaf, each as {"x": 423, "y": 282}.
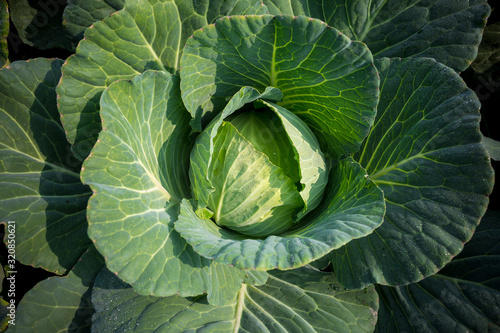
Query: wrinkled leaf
{"x": 146, "y": 34}
{"x": 80, "y": 14}
{"x": 4, "y": 32}
{"x": 39, "y": 23}
{"x": 138, "y": 172}
{"x": 489, "y": 49}
{"x": 352, "y": 208}
{"x": 326, "y": 80}
{"x": 463, "y": 296}
{"x": 60, "y": 302}
{"x": 302, "y": 300}
{"x": 446, "y": 30}
{"x": 425, "y": 153}
{"x": 41, "y": 187}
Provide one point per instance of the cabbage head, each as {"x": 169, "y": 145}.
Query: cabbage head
{"x": 251, "y": 165}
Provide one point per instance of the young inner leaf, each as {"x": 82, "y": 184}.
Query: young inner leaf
{"x": 266, "y": 133}
{"x": 252, "y": 195}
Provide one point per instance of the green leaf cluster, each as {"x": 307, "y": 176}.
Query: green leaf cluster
{"x": 249, "y": 166}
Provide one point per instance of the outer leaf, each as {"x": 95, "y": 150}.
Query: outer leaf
{"x": 489, "y": 49}
{"x": 39, "y": 23}
{"x": 80, "y": 14}
{"x": 326, "y": 80}
{"x": 302, "y": 300}
{"x": 352, "y": 208}
{"x": 4, "y": 32}
{"x": 492, "y": 147}
{"x": 60, "y": 303}
{"x": 41, "y": 188}
{"x": 146, "y": 34}
{"x": 138, "y": 172}
{"x": 463, "y": 296}
{"x": 425, "y": 153}
{"x": 446, "y": 30}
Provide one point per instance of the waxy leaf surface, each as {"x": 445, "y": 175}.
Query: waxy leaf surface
{"x": 201, "y": 155}
{"x": 424, "y": 151}
{"x": 313, "y": 169}
{"x": 41, "y": 188}
{"x": 247, "y": 184}
{"x": 60, "y": 302}
{"x": 446, "y": 30}
{"x": 80, "y": 14}
{"x": 146, "y": 34}
{"x": 308, "y": 168}
{"x": 138, "y": 172}
{"x": 463, "y": 296}
{"x": 328, "y": 81}
{"x": 302, "y": 300}
{"x": 352, "y": 208}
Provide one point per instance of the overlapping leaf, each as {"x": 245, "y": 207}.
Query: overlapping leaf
{"x": 326, "y": 80}
{"x": 303, "y": 300}
{"x": 41, "y": 187}
{"x": 59, "y": 303}
{"x": 260, "y": 190}
{"x": 425, "y": 153}
{"x": 492, "y": 147}
{"x": 146, "y": 34}
{"x": 80, "y": 14}
{"x": 353, "y": 208}
{"x": 489, "y": 49}
{"x": 39, "y": 23}
{"x": 202, "y": 156}
{"x": 313, "y": 170}
{"x": 138, "y": 172}
{"x": 448, "y": 31}
{"x": 207, "y": 162}
{"x": 463, "y": 296}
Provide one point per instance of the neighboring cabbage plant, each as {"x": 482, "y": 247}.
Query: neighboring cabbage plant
{"x": 244, "y": 165}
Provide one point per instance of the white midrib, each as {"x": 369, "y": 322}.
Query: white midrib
{"x": 239, "y": 308}
{"x": 370, "y": 20}
{"x": 155, "y": 181}
{"x": 179, "y": 45}
{"x": 394, "y": 166}
{"x": 150, "y": 48}
{"x": 46, "y": 163}
{"x": 273, "y": 60}
{"x": 221, "y": 200}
